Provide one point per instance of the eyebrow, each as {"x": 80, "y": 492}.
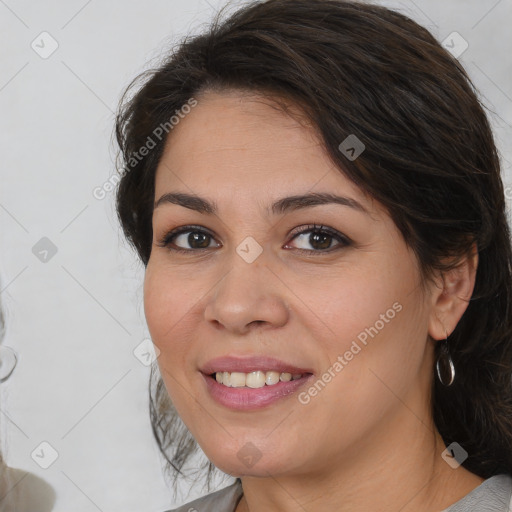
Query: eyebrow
{"x": 286, "y": 204}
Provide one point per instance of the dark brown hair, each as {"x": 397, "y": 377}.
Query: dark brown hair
{"x": 429, "y": 158}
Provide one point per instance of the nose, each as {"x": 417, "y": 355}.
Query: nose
{"x": 247, "y": 297}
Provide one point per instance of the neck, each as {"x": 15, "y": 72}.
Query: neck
{"x": 399, "y": 468}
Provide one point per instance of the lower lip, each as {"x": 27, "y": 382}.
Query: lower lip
{"x": 252, "y": 398}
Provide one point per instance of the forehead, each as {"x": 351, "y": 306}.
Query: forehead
{"x": 243, "y": 145}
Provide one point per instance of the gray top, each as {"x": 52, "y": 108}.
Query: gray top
{"x": 492, "y": 495}
{"x": 224, "y": 500}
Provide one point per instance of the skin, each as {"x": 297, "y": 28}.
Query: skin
{"x": 367, "y": 440}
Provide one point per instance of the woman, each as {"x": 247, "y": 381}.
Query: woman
{"x": 314, "y": 190}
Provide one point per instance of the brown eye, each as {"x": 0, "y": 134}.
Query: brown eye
{"x": 319, "y": 239}
{"x": 198, "y": 240}
{"x": 187, "y": 240}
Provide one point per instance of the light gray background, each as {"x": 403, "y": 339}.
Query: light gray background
{"x": 76, "y": 319}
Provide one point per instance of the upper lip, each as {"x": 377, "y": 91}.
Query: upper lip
{"x": 247, "y": 364}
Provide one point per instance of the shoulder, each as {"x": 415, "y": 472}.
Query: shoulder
{"x": 492, "y": 495}
{"x": 224, "y": 500}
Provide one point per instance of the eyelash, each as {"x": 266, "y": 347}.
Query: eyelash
{"x": 314, "y": 228}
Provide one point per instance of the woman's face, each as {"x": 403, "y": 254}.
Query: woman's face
{"x": 278, "y": 276}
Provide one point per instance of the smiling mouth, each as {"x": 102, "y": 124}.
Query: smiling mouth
{"x": 256, "y": 379}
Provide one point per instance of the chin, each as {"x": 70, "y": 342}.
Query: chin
{"x": 250, "y": 461}
{"x": 237, "y": 469}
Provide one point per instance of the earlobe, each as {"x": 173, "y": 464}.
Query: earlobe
{"x": 451, "y": 296}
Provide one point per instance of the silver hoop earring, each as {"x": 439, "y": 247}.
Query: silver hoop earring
{"x": 444, "y": 365}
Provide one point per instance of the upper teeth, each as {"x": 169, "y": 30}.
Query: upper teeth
{"x": 253, "y": 379}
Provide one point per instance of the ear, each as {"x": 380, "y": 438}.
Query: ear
{"x": 451, "y": 295}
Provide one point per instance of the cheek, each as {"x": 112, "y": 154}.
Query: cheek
{"x": 382, "y": 349}
{"x": 168, "y": 307}
{"x": 156, "y": 305}
{"x": 380, "y": 361}
{"x": 374, "y": 318}
{"x": 342, "y": 304}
